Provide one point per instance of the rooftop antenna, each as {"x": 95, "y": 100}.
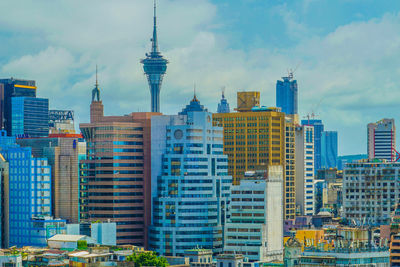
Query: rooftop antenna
{"x": 223, "y": 91}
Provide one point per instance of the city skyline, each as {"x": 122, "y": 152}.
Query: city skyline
{"x": 209, "y": 50}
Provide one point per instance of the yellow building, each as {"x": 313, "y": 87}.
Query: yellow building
{"x": 258, "y": 135}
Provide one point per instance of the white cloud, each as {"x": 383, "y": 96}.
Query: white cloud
{"x": 352, "y": 68}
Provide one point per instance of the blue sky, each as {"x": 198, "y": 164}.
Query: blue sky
{"x": 348, "y": 53}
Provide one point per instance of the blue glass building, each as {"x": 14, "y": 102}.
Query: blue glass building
{"x": 29, "y": 199}
{"x": 154, "y": 66}
{"x": 12, "y": 88}
{"x": 190, "y": 182}
{"x": 329, "y": 149}
{"x": 318, "y": 129}
{"x": 286, "y": 95}
{"x": 30, "y": 117}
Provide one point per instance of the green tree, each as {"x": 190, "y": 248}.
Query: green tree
{"x": 147, "y": 259}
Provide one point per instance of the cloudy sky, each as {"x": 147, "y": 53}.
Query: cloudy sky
{"x": 347, "y": 53}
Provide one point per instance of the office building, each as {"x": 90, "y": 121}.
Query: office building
{"x": 13, "y": 88}
{"x": 61, "y": 122}
{"x": 4, "y": 204}
{"x": 223, "y": 106}
{"x": 190, "y": 182}
{"x": 382, "y": 140}
{"x": 255, "y": 225}
{"x": 62, "y": 151}
{"x": 370, "y": 191}
{"x": 318, "y": 129}
{"x": 155, "y": 67}
{"x": 258, "y": 135}
{"x": 115, "y": 177}
{"x": 286, "y": 95}
{"x": 305, "y": 170}
{"x": 329, "y": 149}
{"x": 30, "y": 116}
{"x": 30, "y": 221}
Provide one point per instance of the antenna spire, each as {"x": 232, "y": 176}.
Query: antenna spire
{"x": 154, "y": 41}
{"x": 97, "y": 81}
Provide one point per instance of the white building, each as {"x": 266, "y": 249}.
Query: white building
{"x": 370, "y": 191}
{"x": 305, "y": 198}
{"x": 255, "y": 226}
{"x": 382, "y": 140}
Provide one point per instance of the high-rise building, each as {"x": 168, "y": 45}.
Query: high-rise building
{"x": 5, "y": 204}
{"x": 305, "y": 172}
{"x": 116, "y": 174}
{"x": 370, "y": 191}
{"x": 13, "y": 88}
{"x": 329, "y": 149}
{"x": 382, "y": 140}
{"x": 286, "y": 95}
{"x": 255, "y": 225}
{"x": 223, "y": 106}
{"x": 190, "y": 182}
{"x": 30, "y": 116}
{"x": 30, "y": 222}
{"x": 155, "y": 67}
{"x": 62, "y": 152}
{"x": 258, "y": 135}
{"x": 318, "y": 129}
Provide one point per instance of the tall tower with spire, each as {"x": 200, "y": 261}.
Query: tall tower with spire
{"x": 154, "y": 66}
{"x": 223, "y": 106}
{"x": 96, "y": 107}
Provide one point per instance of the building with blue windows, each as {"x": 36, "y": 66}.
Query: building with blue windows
{"x": 10, "y": 88}
{"x": 190, "y": 182}
{"x": 30, "y": 117}
{"x": 286, "y": 95}
{"x": 329, "y": 149}
{"x": 29, "y": 201}
{"x": 318, "y": 129}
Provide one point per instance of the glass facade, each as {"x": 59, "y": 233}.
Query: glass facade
{"x": 13, "y": 88}
{"x": 286, "y": 95}
{"x": 30, "y": 117}
{"x": 29, "y": 194}
{"x": 329, "y": 149}
{"x": 191, "y": 184}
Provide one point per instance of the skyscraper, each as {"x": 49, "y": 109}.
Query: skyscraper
{"x": 29, "y": 201}
{"x": 223, "y": 106}
{"x": 29, "y": 116}
{"x": 116, "y": 174}
{"x": 286, "y": 95}
{"x": 305, "y": 201}
{"x": 318, "y": 129}
{"x": 329, "y": 149}
{"x": 382, "y": 140}
{"x": 154, "y": 66}
{"x": 257, "y": 135}
{"x": 13, "y": 88}
{"x": 190, "y": 181}
{"x": 62, "y": 152}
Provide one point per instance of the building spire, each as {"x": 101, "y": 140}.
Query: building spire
{"x": 97, "y": 81}
{"x": 154, "y": 48}
{"x": 96, "y": 90}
